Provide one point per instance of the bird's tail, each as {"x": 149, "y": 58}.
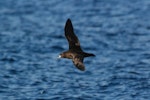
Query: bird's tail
{"x": 88, "y": 54}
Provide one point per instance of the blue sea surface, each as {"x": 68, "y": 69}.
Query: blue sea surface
{"x": 32, "y": 37}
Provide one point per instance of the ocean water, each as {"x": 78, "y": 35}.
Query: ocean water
{"x": 32, "y": 36}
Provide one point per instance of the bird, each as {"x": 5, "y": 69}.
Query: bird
{"x": 75, "y": 51}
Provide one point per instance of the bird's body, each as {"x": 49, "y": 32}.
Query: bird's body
{"x": 75, "y": 52}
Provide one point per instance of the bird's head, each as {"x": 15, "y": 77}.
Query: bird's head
{"x": 61, "y": 55}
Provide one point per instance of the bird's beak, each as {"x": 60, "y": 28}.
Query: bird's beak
{"x": 59, "y": 56}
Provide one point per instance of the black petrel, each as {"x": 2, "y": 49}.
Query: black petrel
{"x": 75, "y": 52}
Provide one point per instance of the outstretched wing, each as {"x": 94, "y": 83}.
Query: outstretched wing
{"x": 71, "y": 37}
{"x": 78, "y": 62}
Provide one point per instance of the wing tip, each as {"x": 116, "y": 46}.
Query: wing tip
{"x": 81, "y": 67}
{"x": 68, "y": 26}
{"x": 68, "y": 20}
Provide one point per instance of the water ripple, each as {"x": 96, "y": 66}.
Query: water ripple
{"x": 32, "y": 36}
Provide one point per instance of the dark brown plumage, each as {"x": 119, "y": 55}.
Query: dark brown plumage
{"x": 75, "y": 52}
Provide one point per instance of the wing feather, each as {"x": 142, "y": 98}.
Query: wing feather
{"x": 71, "y": 37}
{"x": 78, "y": 62}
